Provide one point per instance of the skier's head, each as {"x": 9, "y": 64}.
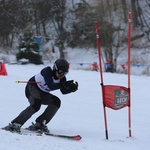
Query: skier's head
{"x": 61, "y": 66}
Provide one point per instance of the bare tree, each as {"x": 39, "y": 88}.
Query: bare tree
{"x": 135, "y": 12}
{"x": 7, "y": 22}
{"x": 124, "y": 6}
{"x": 82, "y": 28}
{"x": 14, "y": 17}
{"x": 58, "y": 15}
{"x": 41, "y": 14}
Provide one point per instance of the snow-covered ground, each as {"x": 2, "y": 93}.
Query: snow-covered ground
{"x": 80, "y": 113}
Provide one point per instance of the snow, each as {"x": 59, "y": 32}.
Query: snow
{"x": 80, "y": 113}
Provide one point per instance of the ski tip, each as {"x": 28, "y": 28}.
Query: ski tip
{"x": 73, "y": 137}
{"x": 77, "y": 137}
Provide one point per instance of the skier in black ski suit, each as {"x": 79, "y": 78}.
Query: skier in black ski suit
{"x": 39, "y": 93}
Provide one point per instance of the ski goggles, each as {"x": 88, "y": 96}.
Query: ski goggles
{"x": 62, "y": 73}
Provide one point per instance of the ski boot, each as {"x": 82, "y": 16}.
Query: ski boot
{"x": 39, "y": 127}
{"x": 13, "y": 127}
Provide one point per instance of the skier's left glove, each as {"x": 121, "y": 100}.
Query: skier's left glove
{"x": 66, "y": 84}
{"x": 74, "y": 86}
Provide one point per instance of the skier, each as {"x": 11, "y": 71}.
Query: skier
{"x": 38, "y": 91}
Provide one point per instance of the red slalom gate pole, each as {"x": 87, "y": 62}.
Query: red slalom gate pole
{"x": 129, "y": 46}
{"x": 99, "y": 52}
{"x": 101, "y": 76}
{"x": 30, "y": 82}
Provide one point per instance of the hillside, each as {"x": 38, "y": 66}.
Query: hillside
{"x": 80, "y": 113}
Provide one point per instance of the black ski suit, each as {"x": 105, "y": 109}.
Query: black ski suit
{"x": 39, "y": 93}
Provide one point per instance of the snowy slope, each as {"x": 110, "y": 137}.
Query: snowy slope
{"x": 80, "y": 113}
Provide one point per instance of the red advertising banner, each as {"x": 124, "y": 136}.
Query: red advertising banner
{"x": 116, "y": 97}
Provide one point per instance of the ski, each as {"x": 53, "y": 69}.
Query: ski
{"x": 74, "y": 137}
{"x": 40, "y": 133}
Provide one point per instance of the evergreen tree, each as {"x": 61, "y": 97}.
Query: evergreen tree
{"x": 29, "y": 49}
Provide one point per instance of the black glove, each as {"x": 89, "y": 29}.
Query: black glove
{"x": 74, "y": 86}
{"x": 66, "y": 84}
{"x": 69, "y": 85}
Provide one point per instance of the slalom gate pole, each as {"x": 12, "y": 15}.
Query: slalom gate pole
{"x": 101, "y": 75}
{"x": 29, "y": 82}
{"x": 129, "y": 45}
{"x": 99, "y": 52}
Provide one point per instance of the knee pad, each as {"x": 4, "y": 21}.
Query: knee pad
{"x": 27, "y": 93}
{"x": 56, "y": 101}
{"x": 36, "y": 105}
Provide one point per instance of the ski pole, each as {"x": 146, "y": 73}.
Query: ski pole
{"x": 30, "y": 82}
